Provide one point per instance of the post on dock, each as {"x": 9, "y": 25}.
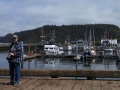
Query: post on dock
{"x": 22, "y": 54}
{"x": 102, "y": 53}
{"x": 29, "y": 49}
{"x": 117, "y": 54}
{"x": 76, "y": 53}
{"x": 28, "y": 64}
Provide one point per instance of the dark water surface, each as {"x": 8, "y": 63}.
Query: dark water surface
{"x": 64, "y": 63}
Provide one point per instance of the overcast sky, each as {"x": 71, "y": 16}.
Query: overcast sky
{"x": 21, "y": 15}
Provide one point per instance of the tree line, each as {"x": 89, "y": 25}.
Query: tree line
{"x": 75, "y": 32}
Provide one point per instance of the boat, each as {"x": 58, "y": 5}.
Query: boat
{"x": 108, "y": 45}
{"x": 78, "y": 57}
{"x": 52, "y": 50}
{"x": 88, "y": 47}
{"x": 68, "y": 46}
{"x": 92, "y": 52}
{"x": 40, "y": 46}
{"x": 60, "y": 48}
{"x": 86, "y": 55}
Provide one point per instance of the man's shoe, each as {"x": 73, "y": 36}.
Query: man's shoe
{"x": 10, "y": 83}
{"x": 16, "y": 84}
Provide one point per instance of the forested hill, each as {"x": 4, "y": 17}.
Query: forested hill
{"x": 75, "y": 32}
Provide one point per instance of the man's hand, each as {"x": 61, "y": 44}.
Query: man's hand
{"x": 12, "y": 54}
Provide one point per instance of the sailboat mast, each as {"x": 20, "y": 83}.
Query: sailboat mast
{"x": 42, "y": 37}
{"x": 93, "y": 36}
{"x": 52, "y": 40}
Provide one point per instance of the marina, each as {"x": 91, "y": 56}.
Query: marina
{"x": 59, "y": 45}
{"x": 49, "y": 66}
{"x": 46, "y": 68}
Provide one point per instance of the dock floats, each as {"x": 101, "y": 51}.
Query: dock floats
{"x": 32, "y": 56}
{"x": 67, "y": 56}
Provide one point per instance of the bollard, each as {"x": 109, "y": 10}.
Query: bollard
{"x": 102, "y": 54}
{"x": 91, "y": 78}
{"x": 54, "y": 76}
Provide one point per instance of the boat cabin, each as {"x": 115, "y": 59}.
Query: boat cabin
{"x": 51, "y": 47}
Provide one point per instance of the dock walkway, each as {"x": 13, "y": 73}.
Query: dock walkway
{"x": 60, "y": 84}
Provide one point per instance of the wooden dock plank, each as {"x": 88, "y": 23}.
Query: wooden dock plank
{"x": 87, "y": 85}
{"x": 118, "y": 82}
{"x": 3, "y": 83}
{"x": 26, "y": 84}
{"x": 105, "y": 85}
{"x": 114, "y": 85}
{"x": 51, "y": 84}
{"x": 69, "y": 85}
{"x": 34, "y": 85}
{"x": 78, "y": 85}
{"x": 11, "y": 87}
{"x": 60, "y": 85}
{"x": 42, "y": 85}
{"x": 96, "y": 85}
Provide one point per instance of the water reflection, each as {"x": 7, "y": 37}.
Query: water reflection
{"x": 65, "y": 63}
{"x": 46, "y": 63}
{"x": 69, "y": 63}
{"x": 108, "y": 53}
{"x": 118, "y": 64}
{"x": 69, "y": 52}
{"x": 51, "y": 62}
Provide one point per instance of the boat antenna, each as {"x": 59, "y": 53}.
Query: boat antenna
{"x": 52, "y": 40}
{"x": 42, "y": 37}
{"x": 93, "y": 36}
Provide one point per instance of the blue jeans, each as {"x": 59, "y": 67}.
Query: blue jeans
{"x": 14, "y": 72}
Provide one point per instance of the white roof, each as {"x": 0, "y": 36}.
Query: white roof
{"x": 48, "y": 46}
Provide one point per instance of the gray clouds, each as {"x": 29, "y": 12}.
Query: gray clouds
{"x": 19, "y": 15}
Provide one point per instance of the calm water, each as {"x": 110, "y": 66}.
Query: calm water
{"x": 64, "y": 63}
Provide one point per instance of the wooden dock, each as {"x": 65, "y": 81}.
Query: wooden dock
{"x": 32, "y": 56}
{"x": 89, "y": 74}
{"x": 60, "y": 84}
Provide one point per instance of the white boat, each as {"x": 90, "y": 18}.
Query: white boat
{"x": 107, "y": 44}
{"x": 78, "y": 57}
{"x": 92, "y": 52}
{"x": 68, "y": 48}
{"x": 52, "y": 50}
{"x": 108, "y": 50}
{"x": 61, "y": 48}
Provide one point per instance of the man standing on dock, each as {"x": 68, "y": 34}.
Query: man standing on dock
{"x": 14, "y": 59}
